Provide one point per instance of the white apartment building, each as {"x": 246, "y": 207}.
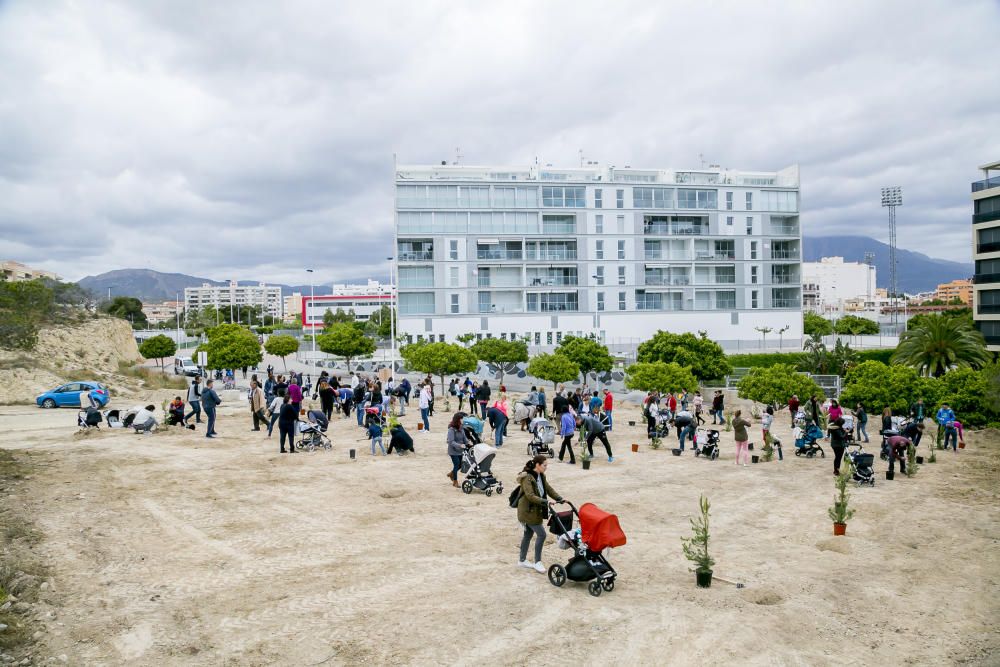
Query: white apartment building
{"x": 831, "y": 282}
{"x": 542, "y": 252}
{"x": 364, "y": 300}
{"x": 222, "y": 296}
{"x": 986, "y": 253}
{"x": 163, "y": 312}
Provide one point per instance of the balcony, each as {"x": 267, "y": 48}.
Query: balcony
{"x": 983, "y": 278}
{"x": 660, "y": 256}
{"x": 663, "y": 281}
{"x": 551, "y": 255}
{"x": 558, "y": 227}
{"x": 784, "y": 280}
{"x": 417, "y": 256}
{"x": 665, "y": 229}
{"x": 988, "y": 309}
{"x": 986, "y": 184}
{"x": 553, "y": 282}
{"x": 784, "y": 230}
{"x": 660, "y": 306}
{"x": 784, "y": 254}
{"x": 784, "y": 303}
{"x": 985, "y": 217}
{"x": 499, "y": 255}
{"x": 713, "y": 257}
{"x": 993, "y": 246}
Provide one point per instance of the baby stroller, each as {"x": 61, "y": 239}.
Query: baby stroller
{"x": 598, "y": 531}
{"x": 473, "y": 427}
{"x": 707, "y": 444}
{"x": 312, "y": 432}
{"x": 89, "y": 418}
{"x": 113, "y": 419}
{"x": 374, "y": 415}
{"x": 476, "y": 463}
{"x": 848, "y": 429}
{"x": 862, "y": 463}
{"x": 807, "y": 441}
{"x": 543, "y": 434}
{"x": 661, "y": 425}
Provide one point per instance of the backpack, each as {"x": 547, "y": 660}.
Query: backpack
{"x": 515, "y": 497}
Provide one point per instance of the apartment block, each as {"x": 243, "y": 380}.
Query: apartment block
{"x": 540, "y": 252}
{"x": 15, "y": 271}
{"x": 364, "y": 300}
{"x": 222, "y": 296}
{"x": 986, "y": 254}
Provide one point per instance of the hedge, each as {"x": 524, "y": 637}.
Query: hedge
{"x": 793, "y": 358}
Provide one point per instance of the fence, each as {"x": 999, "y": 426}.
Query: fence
{"x": 830, "y": 384}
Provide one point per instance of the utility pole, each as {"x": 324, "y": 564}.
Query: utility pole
{"x": 312, "y": 296}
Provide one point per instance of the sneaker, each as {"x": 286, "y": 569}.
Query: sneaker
{"x": 538, "y": 567}
{"x": 524, "y": 563}
{"x": 611, "y": 459}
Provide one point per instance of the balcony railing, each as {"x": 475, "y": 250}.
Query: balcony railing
{"x": 784, "y": 280}
{"x": 417, "y": 256}
{"x": 546, "y": 282}
{"x": 499, "y": 254}
{"x": 992, "y": 246}
{"x": 708, "y": 256}
{"x": 988, "y": 309}
{"x": 981, "y": 278}
{"x": 554, "y": 308}
{"x": 667, "y": 280}
{"x": 667, "y": 257}
{"x": 784, "y": 254}
{"x": 719, "y": 305}
{"x": 785, "y": 230}
{"x": 558, "y": 227}
{"x": 716, "y": 281}
{"x": 986, "y": 217}
{"x": 493, "y": 281}
{"x": 645, "y": 304}
{"x": 500, "y": 309}
{"x": 784, "y": 303}
{"x": 986, "y": 184}
{"x": 687, "y": 229}
{"x": 550, "y": 255}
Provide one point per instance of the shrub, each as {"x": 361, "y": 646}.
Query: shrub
{"x": 702, "y": 355}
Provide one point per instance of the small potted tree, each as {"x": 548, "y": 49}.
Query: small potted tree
{"x": 584, "y": 452}
{"x": 655, "y": 442}
{"x": 911, "y": 460}
{"x": 840, "y": 513}
{"x": 696, "y": 546}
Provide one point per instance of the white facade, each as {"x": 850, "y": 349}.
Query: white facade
{"x": 364, "y": 300}
{"x": 833, "y": 282}
{"x": 268, "y": 298}
{"x": 543, "y": 252}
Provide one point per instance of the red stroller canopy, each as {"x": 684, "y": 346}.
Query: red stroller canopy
{"x": 599, "y": 529}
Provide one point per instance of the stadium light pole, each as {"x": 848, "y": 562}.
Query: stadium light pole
{"x": 392, "y": 320}
{"x": 305, "y": 311}
{"x": 891, "y": 198}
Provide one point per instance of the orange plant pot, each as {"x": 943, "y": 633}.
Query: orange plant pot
{"x": 635, "y": 446}
{"x": 840, "y": 529}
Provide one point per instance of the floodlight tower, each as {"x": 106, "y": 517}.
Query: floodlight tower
{"x": 891, "y": 198}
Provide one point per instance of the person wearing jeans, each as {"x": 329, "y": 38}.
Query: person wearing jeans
{"x": 684, "y": 423}
{"x": 457, "y": 442}
{"x": 533, "y": 508}
{"x": 838, "y": 441}
{"x": 742, "y": 438}
{"x": 194, "y": 400}
{"x": 211, "y": 400}
{"x": 595, "y": 429}
{"x": 567, "y": 427}
{"x": 498, "y": 421}
{"x": 275, "y": 408}
{"x": 861, "y": 415}
{"x": 425, "y": 406}
{"x": 609, "y": 404}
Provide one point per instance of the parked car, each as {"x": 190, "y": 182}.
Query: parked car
{"x": 68, "y": 395}
{"x": 185, "y": 366}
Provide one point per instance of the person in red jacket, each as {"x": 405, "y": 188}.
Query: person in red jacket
{"x": 673, "y": 403}
{"x": 897, "y": 451}
{"x": 793, "y": 407}
{"x": 609, "y": 403}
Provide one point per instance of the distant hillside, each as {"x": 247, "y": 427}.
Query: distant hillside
{"x": 153, "y": 286}
{"x": 917, "y": 271}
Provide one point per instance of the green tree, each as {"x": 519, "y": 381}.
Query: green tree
{"x": 345, "y": 340}
{"x": 814, "y": 324}
{"x": 774, "y": 385}
{"x": 701, "y": 354}
{"x": 879, "y": 386}
{"x": 442, "y": 359}
{"x": 940, "y": 344}
{"x": 660, "y": 376}
{"x": 466, "y": 338}
{"x": 554, "y": 368}
{"x": 842, "y": 358}
{"x": 331, "y": 318}
{"x": 498, "y": 351}
{"x": 126, "y": 308}
{"x": 281, "y": 346}
{"x": 158, "y": 347}
{"x": 24, "y": 306}
{"x": 963, "y": 314}
{"x": 852, "y": 325}
{"x": 816, "y": 358}
{"x": 587, "y": 353}
{"x": 231, "y": 346}
{"x": 379, "y": 323}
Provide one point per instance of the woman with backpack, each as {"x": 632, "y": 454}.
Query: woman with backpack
{"x": 533, "y": 501}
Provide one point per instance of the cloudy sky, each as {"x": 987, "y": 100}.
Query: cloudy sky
{"x": 250, "y": 139}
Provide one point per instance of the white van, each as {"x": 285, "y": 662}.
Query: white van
{"x": 185, "y": 366}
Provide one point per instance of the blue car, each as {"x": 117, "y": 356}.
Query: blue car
{"x": 68, "y": 395}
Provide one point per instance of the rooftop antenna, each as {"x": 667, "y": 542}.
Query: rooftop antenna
{"x": 581, "y": 157}
{"x": 458, "y": 155}
{"x": 702, "y": 158}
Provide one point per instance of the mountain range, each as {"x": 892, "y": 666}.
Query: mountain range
{"x": 917, "y": 272}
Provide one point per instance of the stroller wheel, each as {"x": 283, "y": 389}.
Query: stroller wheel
{"x": 594, "y": 588}
{"x": 608, "y": 584}
{"x": 489, "y": 492}
{"x": 715, "y": 454}
{"x": 500, "y": 489}
{"x": 822, "y": 454}
{"x": 557, "y": 575}
{"x": 467, "y": 486}
{"x": 696, "y": 452}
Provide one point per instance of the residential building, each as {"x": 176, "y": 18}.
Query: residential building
{"x": 235, "y": 295}
{"x": 986, "y": 254}
{"x": 956, "y": 289}
{"x": 15, "y": 271}
{"x": 541, "y": 252}
{"x": 832, "y": 282}
{"x": 293, "y": 306}
{"x": 364, "y": 300}
{"x": 163, "y": 312}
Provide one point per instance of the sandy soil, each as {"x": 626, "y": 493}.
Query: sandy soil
{"x": 172, "y": 549}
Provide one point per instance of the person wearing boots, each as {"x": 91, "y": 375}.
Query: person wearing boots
{"x": 457, "y": 442}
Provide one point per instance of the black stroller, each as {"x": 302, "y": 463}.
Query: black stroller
{"x": 89, "y": 418}
{"x": 598, "y": 531}
{"x": 707, "y": 444}
{"x": 661, "y": 425}
{"x": 862, "y": 463}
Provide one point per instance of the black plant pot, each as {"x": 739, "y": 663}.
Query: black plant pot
{"x": 755, "y": 459}
{"x": 920, "y": 459}
{"x": 631, "y": 422}
{"x": 677, "y": 452}
{"x": 353, "y": 453}
{"x": 750, "y": 446}
{"x": 704, "y": 579}
{"x": 586, "y": 464}
{"x": 889, "y": 475}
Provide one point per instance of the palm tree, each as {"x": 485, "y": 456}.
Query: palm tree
{"x": 940, "y": 344}
{"x": 816, "y": 358}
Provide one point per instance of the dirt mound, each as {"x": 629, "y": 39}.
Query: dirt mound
{"x": 91, "y": 350}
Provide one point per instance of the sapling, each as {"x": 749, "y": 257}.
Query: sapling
{"x": 696, "y": 547}
{"x": 840, "y": 513}
{"x": 727, "y": 419}
{"x": 911, "y": 460}
{"x": 655, "y": 442}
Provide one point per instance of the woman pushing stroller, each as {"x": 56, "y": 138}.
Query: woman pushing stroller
{"x": 533, "y": 507}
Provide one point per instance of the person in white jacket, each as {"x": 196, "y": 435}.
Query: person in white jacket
{"x": 425, "y": 405}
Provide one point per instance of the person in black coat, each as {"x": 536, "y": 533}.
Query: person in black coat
{"x": 286, "y": 425}
{"x": 560, "y": 403}
{"x": 401, "y": 441}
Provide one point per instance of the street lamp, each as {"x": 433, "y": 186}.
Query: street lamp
{"x": 392, "y": 320}
{"x": 306, "y": 310}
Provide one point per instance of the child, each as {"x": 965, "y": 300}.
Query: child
{"x": 375, "y": 433}
{"x": 175, "y": 413}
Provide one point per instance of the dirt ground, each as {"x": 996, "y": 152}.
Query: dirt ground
{"x": 172, "y": 549}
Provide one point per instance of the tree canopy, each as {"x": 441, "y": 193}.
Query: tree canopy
{"x": 554, "y": 368}
{"x": 701, "y": 354}
{"x": 879, "y": 386}
{"x": 441, "y": 359}
{"x": 660, "y": 376}
{"x": 231, "y": 346}
{"x": 814, "y": 324}
{"x": 940, "y": 344}
{"x": 126, "y": 308}
{"x": 774, "y": 385}
{"x": 500, "y": 352}
{"x": 345, "y": 340}
{"x": 963, "y": 314}
{"x": 852, "y": 325}
{"x": 282, "y": 346}
{"x": 158, "y": 347}
{"x": 587, "y": 353}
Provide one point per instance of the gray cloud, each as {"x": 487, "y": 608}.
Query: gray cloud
{"x": 248, "y": 140}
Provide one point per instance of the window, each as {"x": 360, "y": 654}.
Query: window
{"x": 416, "y": 276}
{"x": 749, "y": 225}
{"x": 729, "y": 201}
{"x": 506, "y": 196}
{"x": 753, "y": 298}
{"x": 454, "y": 304}
{"x": 753, "y": 275}
{"x": 621, "y": 300}
{"x": 599, "y": 275}
{"x": 599, "y": 250}
{"x": 416, "y": 303}
{"x": 548, "y": 338}
{"x": 620, "y": 198}
{"x": 725, "y": 300}
{"x": 696, "y": 199}
{"x": 538, "y": 338}
{"x": 729, "y": 221}
{"x": 600, "y": 301}
{"x": 621, "y": 250}
{"x": 753, "y": 250}
{"x": 621, "y": 275}
{"x": 988, "y": 240}
{"x": 652, "y": 198}
{"x": 564, "y": 196}
{"x": 599, "y": 224}
{"x": 749, "y": 201}
{"x": 598, "y": 198}
{"x": 550, "y": 302}
{"x": 621, "y": 224}
{"x": 778, "y": 201}
{"x": 452, "y": 276}
{"x": 989, "y": 302}
{"x": 453, "y": 249}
